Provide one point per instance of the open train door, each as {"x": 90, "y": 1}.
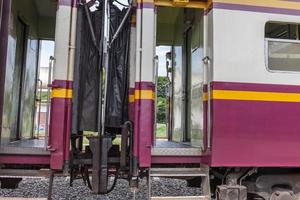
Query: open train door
{"x": 184, "y": 81}
{"x": 24, "y": 26}
{"x": 180, "y": 72}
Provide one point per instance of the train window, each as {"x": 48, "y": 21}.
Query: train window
{"x": 282, "y": 31}
{"x": 283, "y": 47}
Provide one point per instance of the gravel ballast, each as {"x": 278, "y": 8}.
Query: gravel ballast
{"x": 38, "y": 188}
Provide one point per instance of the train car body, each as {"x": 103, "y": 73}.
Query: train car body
{"x": 238, "y": 41}
{"x": 247, "y": 82}
{"x": 231, "y": 82}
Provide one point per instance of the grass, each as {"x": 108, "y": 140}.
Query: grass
{"x": 87, "y": 134}
{"x": 161, "y": 130}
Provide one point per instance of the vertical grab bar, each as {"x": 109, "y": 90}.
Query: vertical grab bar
{"x": 51, "y": 59}
{"x": 40, "y": 105}
{"x": 156, "y": 62}
{"x": 207, "y": 61}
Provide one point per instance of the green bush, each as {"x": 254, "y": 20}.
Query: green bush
{"x": 162, "y": 99}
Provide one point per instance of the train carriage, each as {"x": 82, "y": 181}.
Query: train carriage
{"x": 220, "y": 76}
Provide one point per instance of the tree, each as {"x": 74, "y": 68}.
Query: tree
{"x": 162, "y": 99}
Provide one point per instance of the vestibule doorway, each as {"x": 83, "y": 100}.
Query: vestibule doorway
{"x": 180, "y": 78}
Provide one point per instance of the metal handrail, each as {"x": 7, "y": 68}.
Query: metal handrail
{"x": 40, "y": 105}
{"x": 51, "y": 61}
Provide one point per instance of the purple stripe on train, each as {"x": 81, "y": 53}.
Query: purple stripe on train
{"x": 145, "y": 5}
{"x": 131, "y": 106}
{"x": 256, "y": 87}
{"x": 145, "y": 129}
{"x": 292, "y": 0}
{"x": 62, "y": 84}
{"x": 251, "y": 8}
{"x": 143, "y": 125}
{"x": 25, "y": 159}
{"x": 72, "y": 3}
{"x": 255, "y": 133}
{"x": 145, "y": 86}
{"x": 60, "y": 126}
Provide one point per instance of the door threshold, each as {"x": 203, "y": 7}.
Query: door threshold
{"x": 171, "y": 148}
{"x": 158, "y": 151}
{"x": 24, "y": 147}
{"x": 8, "y": 150}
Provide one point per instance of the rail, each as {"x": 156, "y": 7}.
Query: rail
{"x": 51, "y": 61}
{"x": 40, "y": 105}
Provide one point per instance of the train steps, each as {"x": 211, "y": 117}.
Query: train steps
{"x": 202, "y": 172}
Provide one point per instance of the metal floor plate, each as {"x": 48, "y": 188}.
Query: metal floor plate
{"x": 160, "y": 143}
{"x": 25, "y": 147}
{"x": 169, "y": 148}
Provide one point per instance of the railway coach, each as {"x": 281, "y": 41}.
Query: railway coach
{"x": 227, "y": 72}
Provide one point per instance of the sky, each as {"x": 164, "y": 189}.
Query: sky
{"x": 47, "y": 50}
{"x": 161, "y": 53}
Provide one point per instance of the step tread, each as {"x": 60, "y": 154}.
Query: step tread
{"x": 177, "y": 172}
{"x": 10, "y": 150}
{"x": 159, "y": 151}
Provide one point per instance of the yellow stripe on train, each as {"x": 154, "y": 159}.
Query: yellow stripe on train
{"x": 131, "y": 98}
{"x": 62, "y": 93}
{"x": 229, "y": 95}
{"x": 255, "y": 96}
{"x": 142, "y": 94}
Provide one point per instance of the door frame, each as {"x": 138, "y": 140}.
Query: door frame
{"x": 186, "y": 84}
{"x": 184, "y": 99}
{"x": 186, "y": 81}
{"x": 4, "y": 31}
{"x": 25, "y": 29}
{"x": 185, "y": 88}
